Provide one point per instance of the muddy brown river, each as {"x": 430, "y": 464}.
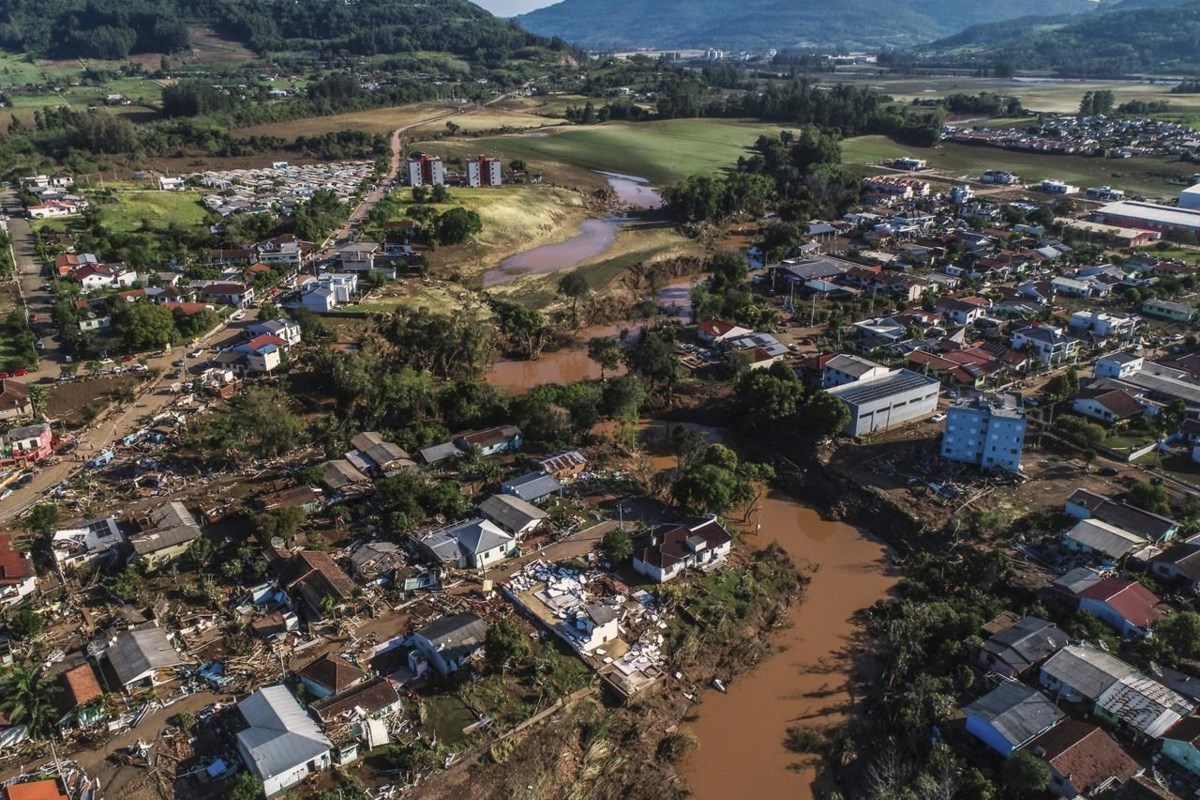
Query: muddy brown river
{"x": 741, "y": 733}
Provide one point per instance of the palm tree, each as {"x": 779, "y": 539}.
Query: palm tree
{"x": 27, "y": 697}
{"x": 38, "y": 398}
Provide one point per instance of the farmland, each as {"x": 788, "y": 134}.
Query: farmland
{"x": 1140, "y": 175}
{"x": 1038, "y": 94}
{"x": 662, "y": 152}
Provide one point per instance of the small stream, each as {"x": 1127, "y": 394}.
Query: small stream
{"x": 595, "y": 238}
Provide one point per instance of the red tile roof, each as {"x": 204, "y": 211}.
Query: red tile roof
{"x": 80, "y": 686}
{"x": 265, "y": 339}
{"x": 14, "y": 567}
{"x": 35, "y": 790}
{"x": 1083, "y": 754}
{"x": 332, "y": 671}
{"x": 1130, "y": 599}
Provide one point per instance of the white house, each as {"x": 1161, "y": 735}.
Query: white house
{"x": 845, "y": 369}
{"x": 1102, "y": 324}
{"x": 171, "y": 184}
{"x": 667, "y": 550}
{"x": 1118, "y": 365}
{"x": 282, "y": 745}
{"x": 1047, "y": 344}
{"x": 283, "y": 328}
{"x": 447, "y": 644}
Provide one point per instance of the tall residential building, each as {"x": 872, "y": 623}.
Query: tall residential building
{"x": 484, "y": 171}
{"x": 426, "y": 170}
{"x": 988, "y": 432}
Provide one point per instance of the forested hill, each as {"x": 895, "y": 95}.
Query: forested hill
{"x": 118, "y": 28}
{"x": 1132, "y": 37}
{"x": 759, "y": 24}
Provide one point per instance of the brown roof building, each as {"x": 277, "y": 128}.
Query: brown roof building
{"x": 1082, "y": 758}
{"x": 329, "y": 674}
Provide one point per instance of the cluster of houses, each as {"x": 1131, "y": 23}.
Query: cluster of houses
{"x": 1049, "y": 690}
{"x": 279, "y": 188}
{"x": 1079, "y": 135}
{"x": 53, "y": 196}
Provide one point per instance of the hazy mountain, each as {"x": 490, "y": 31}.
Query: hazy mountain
{"x": 759, "y": 24}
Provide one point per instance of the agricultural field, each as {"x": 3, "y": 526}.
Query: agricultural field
{"x": 374, "y": 120}
{"x": 1148, "y": 176}
{"x": 662, "y": 152}
{"x": 1038, "y": 94}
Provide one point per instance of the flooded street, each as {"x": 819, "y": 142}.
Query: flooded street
{"x": 741, "y": 733}
{"x": 568, "y": 365}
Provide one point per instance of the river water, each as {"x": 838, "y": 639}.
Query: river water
{"x": 741, "y": 733}
{"x": 595, "y": 238}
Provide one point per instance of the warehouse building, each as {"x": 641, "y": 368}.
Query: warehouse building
{"x": 885, "y": 402}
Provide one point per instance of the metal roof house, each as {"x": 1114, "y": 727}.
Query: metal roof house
{"x": 282, "y": 744}
{"x": 512, "y": 513}
{"x": 448, "y": 643}
{"x": 136, "y": 656}
{"x": 532, "y": 486}
{"x": 1021, "y": 646}
{"x": 1082, "y": 672}
{"x": 1142, "y": 704}
{"x": 470, "y": 544}
{"x": 1010, "y": 716}
{"x": 883, "y": 403}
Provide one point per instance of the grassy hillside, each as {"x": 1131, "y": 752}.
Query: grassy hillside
{"x": 663, "y": 152}
{"x": 1127, "y": 39}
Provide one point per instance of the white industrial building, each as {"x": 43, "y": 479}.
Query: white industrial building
{"x": 881, "y": 403}
{"x": 1190, "y": 197}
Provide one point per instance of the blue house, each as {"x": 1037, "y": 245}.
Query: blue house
{"x": 1010, "y": 716}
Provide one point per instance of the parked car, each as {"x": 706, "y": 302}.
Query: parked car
{"x": 196, "y": 353}
{"x": 938, "y": 417}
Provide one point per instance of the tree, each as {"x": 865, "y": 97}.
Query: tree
{"x": 505, "y": 645}
{"x": 144, "y": 326}
{"x": 824, "y": 415}
{"x": 707, "y": 488}
{"x": 201, "y": 551}
{"x": 257, "y": 423}
{"x": 1179, "y": 633}
{"x": 25, "y": 624}
{"x": 606, "y": 352}
{"x": 1149, "y": 497}
{"x": 524, "y": 328}
{"x": 457, "y": 226}
{"x": 27, "y": 697}
{"x": 42, "y": 519}
{"x": 574, "y": 286}
{"x": 244, "y": 787}
{"x": 281, "y": 522}
{"x": 768, "y": 397}
{"x": 38, "y": 398}
{"x": 1025, "y": 775}
{"x": 653, "y": 357}
{"x": 617, "y": 546}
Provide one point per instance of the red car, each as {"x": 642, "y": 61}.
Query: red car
{"x": 20, "y": 373}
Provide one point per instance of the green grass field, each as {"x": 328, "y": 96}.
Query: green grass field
{"x": 1146, "y": 176}
{"x": 155, "y": 209}
{"x": 662, "y": 152}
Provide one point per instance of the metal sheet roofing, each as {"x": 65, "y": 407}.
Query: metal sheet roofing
{"x": 281, "y": 735}
{"x": 1017, "y": 712}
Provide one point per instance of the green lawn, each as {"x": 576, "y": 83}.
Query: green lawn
{"x": 159, "y": 208}
{"x": 447, "y": 716}
{"x": 1137, "y": 175}
{"x": 662, "y": 152}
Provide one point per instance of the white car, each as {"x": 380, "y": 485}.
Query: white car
{"x": 106, "y": 361}
{"x": 138, "y": 368}
{"x": 237, "y": 315}
{"x": 196, "y": 353}
{"x": 938, "y": 417}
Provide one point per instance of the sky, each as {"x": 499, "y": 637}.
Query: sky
{"x": 510, "y": 8}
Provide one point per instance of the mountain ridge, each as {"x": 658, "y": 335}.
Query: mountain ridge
{"x": 759, "y": 24}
